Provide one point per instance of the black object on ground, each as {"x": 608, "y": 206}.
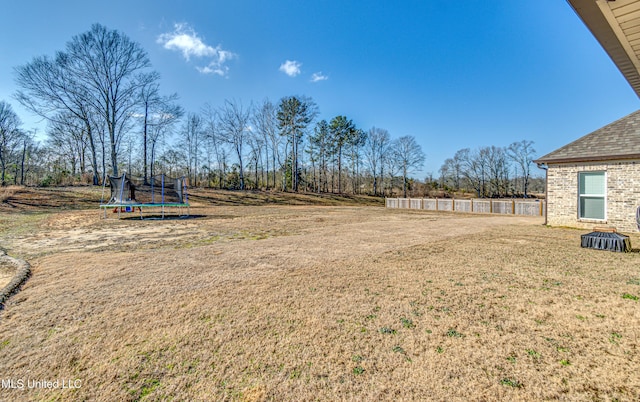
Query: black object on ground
{"x": 606, "y": 241}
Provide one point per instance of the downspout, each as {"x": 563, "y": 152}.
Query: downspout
{"x": 545, "y": 167}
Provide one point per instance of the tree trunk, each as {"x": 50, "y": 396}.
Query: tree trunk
{"x": 294, "y": 163}
{"x": 241, "y": 170}
{"x": 114, "y": 154}
{"x": 273, "y": 156}
{"x": 256, "y": 172}
{"x": 144, "y": 142}
{"x": 339, "y": 170}
{"x": 94, "y": 154}
{"x": 24, "y": 154}
{"x": 104, "y": 162}
{"x": 404, "y": 181}
{"x": 153, "y": 152}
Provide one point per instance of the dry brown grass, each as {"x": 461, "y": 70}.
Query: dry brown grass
{"x": 56, "y": 199}
{"x": 319, "y": 303}
{"x": 7, "y": 192}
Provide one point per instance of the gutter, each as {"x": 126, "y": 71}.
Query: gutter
{"x": 594, "y": 158}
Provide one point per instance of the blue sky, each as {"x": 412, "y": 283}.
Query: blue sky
{"x": 453, "y": 74}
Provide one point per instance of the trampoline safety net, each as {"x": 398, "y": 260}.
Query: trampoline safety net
{"x": 160, "y": 189}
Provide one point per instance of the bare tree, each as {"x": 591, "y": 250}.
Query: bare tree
{"x": 159, "y": 115}
{"x": 169, "y": 162}
{"x": 10, "y": 135}
{"x": 498, "y": 169}
{"x": 111, "y": 67}
{"x": 275, "y": 140}
{"x": 376, "y": 149}
{"x": 314, "y": 157}
{"x": 192, "y": 134}
{"x": 446, "y": 173}
{"x": 356, "y": 143}
{"x": 523, "y": 153}
{"x": 391, "y": 167}
{"x": 265, "y": 121}
{"x": 452, "y": 170}
{"x": 233, "y": 123}
{"x": 476, "y": 169}
{"x": 409, "y": 156}
{"x": 256, "y": 145}
{"x": 50, "y": 90}
{"x": 149, "y": 97}
{"x": 214, "y": 144}
{"x": 100, "y": 73}
{"x": 99, "y": 130}
{"x": 68, "y": 138}
{"x": 19, "y": 155}
{"x": 27, "y": 156}
{"x": 160, "y": 118}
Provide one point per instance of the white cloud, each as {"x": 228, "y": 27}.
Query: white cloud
{"x": 185, "y": 40}
{"x": 315, "y": 77}
{"x": 214, "y": 69}
{"x": 291, "y": 68}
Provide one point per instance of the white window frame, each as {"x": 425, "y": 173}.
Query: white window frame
{"x": 604, "y": 196}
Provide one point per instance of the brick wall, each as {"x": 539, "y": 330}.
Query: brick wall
{"x": 623, "y": 194}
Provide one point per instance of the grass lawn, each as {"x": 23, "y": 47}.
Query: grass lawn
{"x": 328, "y": 299}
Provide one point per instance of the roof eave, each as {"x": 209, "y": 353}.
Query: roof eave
{"x": 610, "y": 37}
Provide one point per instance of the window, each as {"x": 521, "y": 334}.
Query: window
{"x": 592, "y": 195}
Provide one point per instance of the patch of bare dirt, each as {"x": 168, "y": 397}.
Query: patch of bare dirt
{"x": 88, "y": 230}
{"x": 6, "y": 273}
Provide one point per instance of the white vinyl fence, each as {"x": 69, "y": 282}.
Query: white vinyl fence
{"x": 484, "y": 205}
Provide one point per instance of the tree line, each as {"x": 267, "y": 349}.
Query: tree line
{"x": 492, "y": 171}
{"x": 106, "y": 114}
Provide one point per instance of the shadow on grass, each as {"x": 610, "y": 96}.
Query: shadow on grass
{"x": 213, "y": 197}
{"x": 166, "y": 217}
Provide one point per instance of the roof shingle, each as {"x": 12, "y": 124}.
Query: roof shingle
{"x": 618, "y": 140}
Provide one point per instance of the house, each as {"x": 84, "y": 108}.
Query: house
{"x": 595, "y": 180}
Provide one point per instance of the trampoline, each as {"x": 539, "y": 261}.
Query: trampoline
{"x": 161, "y": 193}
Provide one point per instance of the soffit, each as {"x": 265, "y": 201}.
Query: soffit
{"x": 616, "y": 25}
